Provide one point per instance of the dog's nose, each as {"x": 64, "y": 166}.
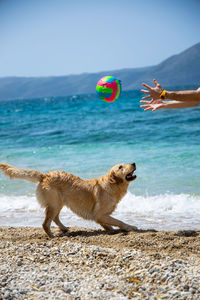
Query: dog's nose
{"x": 134, "y": 165}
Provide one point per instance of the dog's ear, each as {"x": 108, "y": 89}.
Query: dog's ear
{"x": 114, "y": 179}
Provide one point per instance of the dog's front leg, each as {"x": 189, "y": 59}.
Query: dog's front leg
{"x": 106, "y": 227}
{"x": 110, "y": 221}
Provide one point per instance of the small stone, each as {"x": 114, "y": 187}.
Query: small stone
{"x": 193, "y": 291}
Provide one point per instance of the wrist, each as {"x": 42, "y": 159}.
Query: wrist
{"x": 163, "y": 95}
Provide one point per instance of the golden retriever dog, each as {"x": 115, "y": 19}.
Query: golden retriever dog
{"x": 93, "y": 199}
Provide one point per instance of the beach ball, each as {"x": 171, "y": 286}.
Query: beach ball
{"x": 108, "y": 88}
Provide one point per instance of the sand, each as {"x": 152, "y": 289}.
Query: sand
{"x": 94, "y": 264}
{"x": 177, "y": 244}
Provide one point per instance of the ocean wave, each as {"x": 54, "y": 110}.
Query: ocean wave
{"x": 164, "y": 203}
{"x": 18, "y": 203}
{"x": 162, "y": 212}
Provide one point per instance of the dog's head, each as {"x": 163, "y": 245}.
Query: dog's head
{"x": 122, "y": 173}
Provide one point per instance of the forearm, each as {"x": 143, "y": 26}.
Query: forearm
{"x": 184, "y": 96}
{"x": 178, "y": 104}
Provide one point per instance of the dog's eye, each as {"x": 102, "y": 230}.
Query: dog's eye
{"x": 120, "y": 167}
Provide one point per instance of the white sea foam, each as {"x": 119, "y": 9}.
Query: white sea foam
{"x": 165, "y": 204}
{"x": 167, "y": 211}
{"x": 163, "y": 212}
{"x": 22, "y": 203}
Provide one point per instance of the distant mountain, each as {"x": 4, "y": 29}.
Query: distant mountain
{"x": 180, "y": 69}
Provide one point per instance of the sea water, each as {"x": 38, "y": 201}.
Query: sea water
{"x": 85, "y": 136}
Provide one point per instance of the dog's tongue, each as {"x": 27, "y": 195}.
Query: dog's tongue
{"x": 130, "y": 175}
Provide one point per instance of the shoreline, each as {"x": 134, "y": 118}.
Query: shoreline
{"x": 34, "y": 218}
{"x": 176, "y": 243}
{"x": 94, "y": 264}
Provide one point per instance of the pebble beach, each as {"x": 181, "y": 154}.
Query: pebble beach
{"x": 94, "y": 264}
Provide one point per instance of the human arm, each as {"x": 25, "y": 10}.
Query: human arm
{"x": 182, "y": 96}
{"x": 159, "y": 104}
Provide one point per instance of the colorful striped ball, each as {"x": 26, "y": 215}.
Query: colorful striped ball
{"x": 108, "y": 88}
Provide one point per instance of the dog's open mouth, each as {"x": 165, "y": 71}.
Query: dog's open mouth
{"x": 130, "y": 176}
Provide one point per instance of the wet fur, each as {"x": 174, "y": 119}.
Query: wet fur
{"x": 93, "y": 199}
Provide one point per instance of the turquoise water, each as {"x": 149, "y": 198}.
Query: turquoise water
{"x": 86, "y": 136}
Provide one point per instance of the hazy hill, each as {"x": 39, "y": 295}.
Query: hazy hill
{"x": 180, "y": 69}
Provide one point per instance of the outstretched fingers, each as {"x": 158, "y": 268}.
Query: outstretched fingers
{"x": 148, "y": 102}
{"x": 146, "y": 86}
{"x": 146, "y": 97}
{"x": 146, "y": 107}
{"x": 156, "y": 82}
{"x": 145, "y": 91}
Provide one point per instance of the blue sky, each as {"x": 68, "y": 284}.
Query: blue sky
{"x": 46, "y": 37}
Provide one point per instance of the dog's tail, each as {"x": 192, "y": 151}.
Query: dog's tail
{"x": 13, "y": 172}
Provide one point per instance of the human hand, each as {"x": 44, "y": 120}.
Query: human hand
{"x": 153, "y": 104}
{"x": 153, "y": 93}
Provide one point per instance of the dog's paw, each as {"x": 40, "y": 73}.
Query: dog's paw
{"x": 130, "y": 228}
{"x": 152, "y": 230}
{"x": 147, "y": 230}
{"x": 51, "y": 236}
{"x": 64, "y": 229}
